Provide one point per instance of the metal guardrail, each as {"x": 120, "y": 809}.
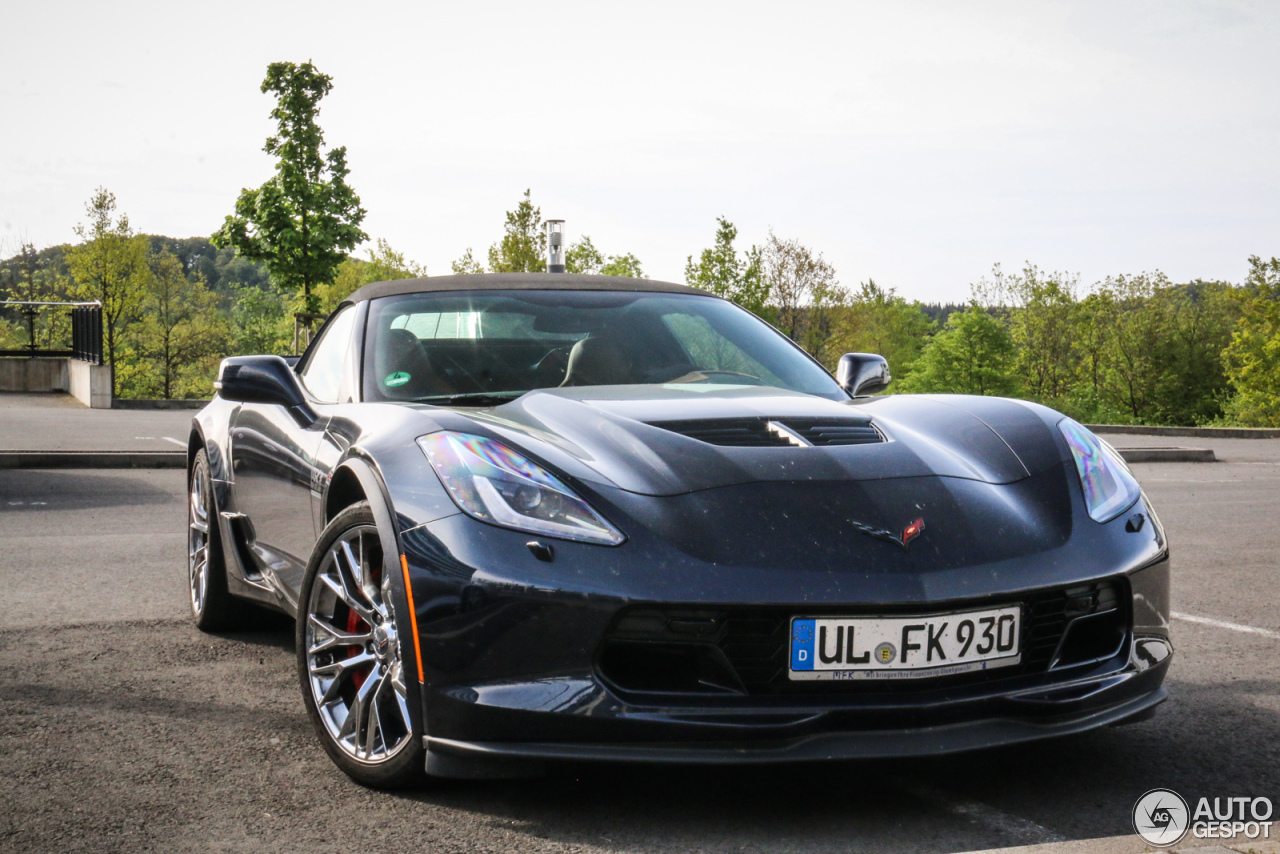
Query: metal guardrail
{"x": 86, "y": 330}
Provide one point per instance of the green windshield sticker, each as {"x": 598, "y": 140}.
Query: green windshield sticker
{"x": 398, "y": 378}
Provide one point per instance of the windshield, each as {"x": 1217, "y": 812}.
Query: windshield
{"x": 485, "y": 346}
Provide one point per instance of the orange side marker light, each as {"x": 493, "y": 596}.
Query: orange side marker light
{"x": 413, "y": 617}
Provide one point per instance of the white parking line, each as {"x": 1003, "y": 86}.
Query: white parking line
{"x": 174, "y": 441}
{"x": 1023, "y": 831}
{"x": 1220, "y": 624}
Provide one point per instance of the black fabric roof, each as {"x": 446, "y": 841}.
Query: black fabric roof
{"x": 517, "y": 281}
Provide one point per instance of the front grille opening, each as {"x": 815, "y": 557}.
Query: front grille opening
{"x": 744, "y": 649}
{"x": 762, "y": 432}
{"x": 668, "y": 668}
{"x": 1092, "y": 638}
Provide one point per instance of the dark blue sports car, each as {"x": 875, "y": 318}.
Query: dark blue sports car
{"x": 523, "y": 518}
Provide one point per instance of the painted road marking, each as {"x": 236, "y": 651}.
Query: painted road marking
{"x": 174, "y": 441}
{"x": 1222, "y": 624}
{"x": 1022, "y": 830}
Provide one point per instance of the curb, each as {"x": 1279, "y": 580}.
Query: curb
{"x": 1199, "y": 432}
{"x": 93, "y": 460}
{"x": 1167, "y": 455}
{"x": 175, "y": 403}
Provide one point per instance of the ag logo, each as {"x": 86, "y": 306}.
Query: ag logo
{"x": 1161, "y": 817}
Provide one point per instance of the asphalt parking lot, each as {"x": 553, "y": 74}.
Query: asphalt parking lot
{"x": 122, "y": 728}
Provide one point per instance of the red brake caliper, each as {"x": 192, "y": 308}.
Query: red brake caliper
{"x": 356, "y": 625}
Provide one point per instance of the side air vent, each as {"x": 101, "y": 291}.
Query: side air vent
{"x": 755, "y": 432}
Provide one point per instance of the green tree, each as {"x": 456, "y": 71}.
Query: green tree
{"x": 1085, "y": 399}
{"x": 180, "y": 334}
{"x": 110, "y": 266}
{"x": 1042, "y": 311}
{"x": 467, "y": 265}
{"x": 877, "y": 320}
{"x": 1253, "y": 357}
{"x": 625, "y": 266}
{"x": 384, "y": 264}
{"x": 722, "y": 272}
{"x": 521, "y": 249}
{"x": 973, "y": 354}
{"x": 1193, "y": 381}
{"x": 1136, "y": 326}
{"x": 803, "y": 290}
{"x": 583, "y": 257}
{"x": 305, "y": 218}
{"x": 25, "y": 284}
{"x": 260, "y": 320}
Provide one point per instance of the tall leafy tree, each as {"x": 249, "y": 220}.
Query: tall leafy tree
{"x": 1137, "y": 324}
{"x": 583, "y": 257}
{"x": 721, "y": 271}
{"x": 522, "y": 247}
{"x": 467, "y": 265}
{"x": 305, "y": 219}
{"x": 1041, "y": 309}
{"x": 973, "y": 354}
{"x": 1253, "y": 356}
{"x": 802, "y": 290}
{"x": 180, "y": 334}
{"x": 383, "y": 265}
{"x": 260, "y": 323}
{"x": 26, "y": 284}
{"x": 1193, "y": 383}
{"x": 876, "y": 320}
{"x": 110, "y": 266}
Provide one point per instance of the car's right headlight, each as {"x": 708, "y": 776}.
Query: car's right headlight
{"x": 495, "y": 484}
{"x": 1109, "y": 488}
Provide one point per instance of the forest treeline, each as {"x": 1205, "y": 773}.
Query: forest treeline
{"x": 1128, "y": 349}
{"x": 1131, "y": 348}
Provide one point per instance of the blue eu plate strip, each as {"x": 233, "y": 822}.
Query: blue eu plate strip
{"x": 802, "y": 643}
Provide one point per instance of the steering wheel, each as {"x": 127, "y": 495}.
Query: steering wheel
{"x": 555, "y": 361}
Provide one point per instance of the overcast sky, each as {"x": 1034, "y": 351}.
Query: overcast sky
{"x": 913, "y": 143}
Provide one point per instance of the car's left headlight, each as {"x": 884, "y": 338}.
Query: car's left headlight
{"x": 493, "y": 483}
{"x": 1109, "y": 488}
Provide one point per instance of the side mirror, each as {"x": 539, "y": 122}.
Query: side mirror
{"x": 263, "y": 379}
{"x": 862, "y": 373}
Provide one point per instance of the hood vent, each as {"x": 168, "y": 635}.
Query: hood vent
{"x": 776, "y": 432}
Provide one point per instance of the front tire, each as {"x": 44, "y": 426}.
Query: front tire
{"x": 212, "y": 607}
{"x": 351, "y": 656}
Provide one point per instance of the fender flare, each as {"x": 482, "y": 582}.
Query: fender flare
{"x": 375, "y": 491}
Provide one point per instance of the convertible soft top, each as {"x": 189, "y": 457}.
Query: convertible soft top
{"x": 518, "y": 281}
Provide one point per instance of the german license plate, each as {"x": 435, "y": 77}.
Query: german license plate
{"x": 905, "y": 647}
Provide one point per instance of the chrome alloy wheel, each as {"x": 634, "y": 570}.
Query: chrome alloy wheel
{"x": 200, "y": 518}
{"x": 354, "y": 664}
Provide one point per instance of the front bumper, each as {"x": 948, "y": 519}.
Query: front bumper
{"x": 512, "y": 648}
{"x": 867, "y": 744}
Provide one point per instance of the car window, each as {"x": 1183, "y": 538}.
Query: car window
{"x": 482, "y": 344}
{"x": 709, "y": 350}
{"x": 323, "y": 373}
{"x": 441, "y": 324}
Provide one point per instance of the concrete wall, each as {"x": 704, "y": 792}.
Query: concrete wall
{"x": 90, "y": 384}
{"x": 34, "y": 374}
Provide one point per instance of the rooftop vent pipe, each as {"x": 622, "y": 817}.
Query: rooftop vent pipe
{"x": 555, "y": 246}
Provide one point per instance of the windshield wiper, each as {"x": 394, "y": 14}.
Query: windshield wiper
{"x": 475, "y": 398}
